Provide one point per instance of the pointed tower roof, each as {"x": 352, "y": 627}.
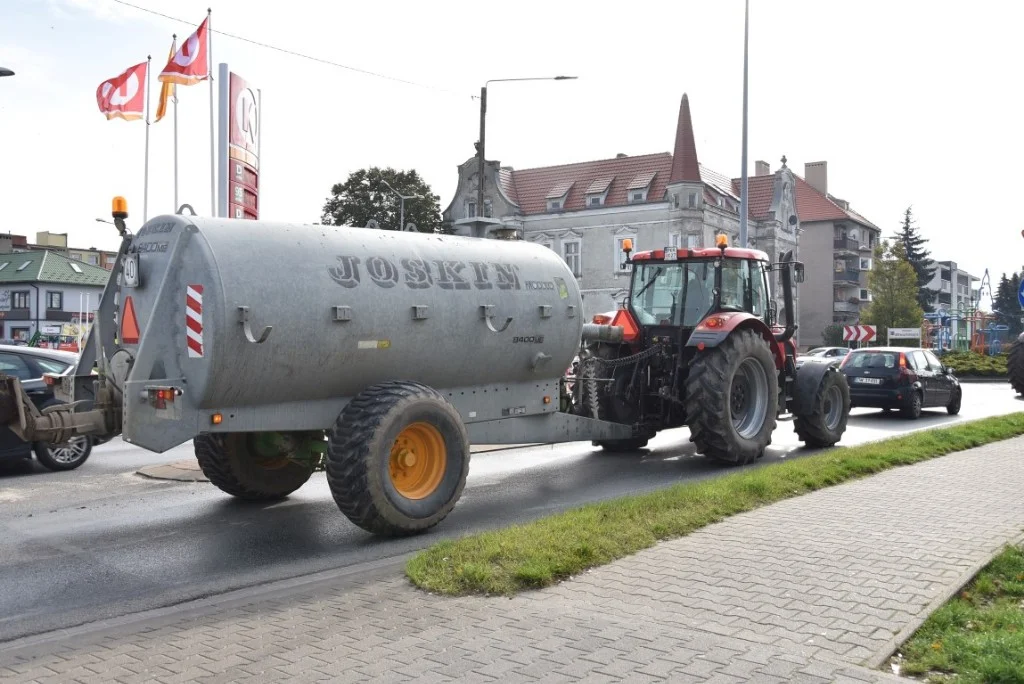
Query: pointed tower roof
{"x": 684, "y": 157}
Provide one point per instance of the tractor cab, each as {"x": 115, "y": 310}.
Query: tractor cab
{"x": 682, "y": 288}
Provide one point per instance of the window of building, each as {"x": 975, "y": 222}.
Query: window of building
{"x": 637, "y": 195}
{"x": 487, "y": 208}
{"x": 555, "y": 205}
{"x": 571, "y": 252}
{"x": 24, "y": 265}
{"x": 471, "y": 210}
{"x": 865, "y": 263}
{"x": 75, "y": 267}
{"x": 55, "y": 301}
{"x": 620, "y": 257}
{"x": 691, "y": 200}
{"x": 865, "y": 296}
{"x": 595, "y": 200}
{"x": 20, "y": 300}
{"x": 92, "y": 259}
{"x": 693, "y": 241}
{"x": 21, "y": 334}
{"x": 675, "y": 240}
{"x": 4, "y": 265}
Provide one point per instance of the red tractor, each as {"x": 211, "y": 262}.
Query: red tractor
{"x": 702, "y": 348}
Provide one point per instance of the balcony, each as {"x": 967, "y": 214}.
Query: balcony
{"x": 846, "y": 244}
{"x": 845, "y": 307}
{"x": 865, "y": 247}
{"x": 846, "y": 276}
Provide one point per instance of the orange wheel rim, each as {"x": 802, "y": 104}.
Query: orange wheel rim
{"x": 418, "y": 461}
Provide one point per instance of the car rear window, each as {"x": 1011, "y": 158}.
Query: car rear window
{"x": 872, "y": 360}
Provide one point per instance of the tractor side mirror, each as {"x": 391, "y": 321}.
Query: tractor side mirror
{"x": 798, "y": 272}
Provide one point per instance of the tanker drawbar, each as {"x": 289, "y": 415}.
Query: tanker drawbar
{"x": 279, "y": 349}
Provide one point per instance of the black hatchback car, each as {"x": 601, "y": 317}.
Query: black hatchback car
{"x": 28, "y": 364}
{"x": 903, "y": 378}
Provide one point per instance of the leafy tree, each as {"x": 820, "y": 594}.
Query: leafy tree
{"x": 832, "y": 335}
{"x": 918, "y": 257}
{"x": 894, "y": 291}
{"x": 365, "y": 196}
{"x": 1005, "y": 306}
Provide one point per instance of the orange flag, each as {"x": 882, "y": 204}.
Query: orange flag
{"x": 167, "y": 90}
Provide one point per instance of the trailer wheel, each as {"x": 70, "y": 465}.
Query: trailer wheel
{"x": 1015, "y": 365}
{"x": 397, "y": 458}
{"x": 732, "y": 399}
{"x": 825, "y": 424}
{"x": 250, "y": 466}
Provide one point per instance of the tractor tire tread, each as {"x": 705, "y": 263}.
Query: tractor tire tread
{"x": 811, "y": 429}
{"x": 214, "y": 460}
{"x": 706, "y": 400}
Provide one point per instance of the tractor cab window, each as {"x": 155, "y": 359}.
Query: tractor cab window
{"x": 679, "y": 293}
{"x": 743, "y": 287}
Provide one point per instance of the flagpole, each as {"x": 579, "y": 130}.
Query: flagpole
{"x": 174, "y": 50}
{"x": 213, "y": 145}
{"x": 145, "y": 182}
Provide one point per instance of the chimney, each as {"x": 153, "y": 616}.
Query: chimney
{"x": 761, "y": 168}
{"x": 816, "y": 175}
{"x": 6, "y": 244}
{"x": 620, "y": 155}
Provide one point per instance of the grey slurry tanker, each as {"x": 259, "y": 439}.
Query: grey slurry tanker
{"x": 384, "y": 355}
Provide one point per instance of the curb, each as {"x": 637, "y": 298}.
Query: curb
{"x": 884, "y": 653}
{"x": 982, "y": 380}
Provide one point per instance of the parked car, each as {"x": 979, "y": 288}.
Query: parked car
{"x": 28, "y": 364}
{"x": 904, "y": 378}
{"x": 827, "y": 352}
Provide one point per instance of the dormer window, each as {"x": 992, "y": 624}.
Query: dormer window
{"x": 597, "y": 192}
{"x": 558, "y": 195}
{"x": 638, "y": 188}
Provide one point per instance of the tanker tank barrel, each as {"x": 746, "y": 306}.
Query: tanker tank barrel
{"x": 593, "y": 332}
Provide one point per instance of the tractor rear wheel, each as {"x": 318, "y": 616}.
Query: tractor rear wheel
{"x": 825, "y": 424}
{"x": 257, "y": 466}
{"x": 732, "y": 399}
{"x": 1015, "y": 365}
{"x": 397, "y": 458}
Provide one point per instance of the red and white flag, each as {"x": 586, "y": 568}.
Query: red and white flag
{"x": 124, "y": 96}
{"x": 189, "y": 65}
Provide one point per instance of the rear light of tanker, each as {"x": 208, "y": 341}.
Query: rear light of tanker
{"x": 159, "y": 397}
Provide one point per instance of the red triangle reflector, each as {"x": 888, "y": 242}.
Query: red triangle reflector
{"x": 624, "y": 320}
{"x": 129, "y": 323}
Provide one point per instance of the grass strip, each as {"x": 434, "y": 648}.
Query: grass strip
{"x": 978, "y": 636}
{"x": 545, "y": 551}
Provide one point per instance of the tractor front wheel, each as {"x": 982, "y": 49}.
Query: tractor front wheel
{"x": 732, "y": 399}
{"x": 825, "y": 424}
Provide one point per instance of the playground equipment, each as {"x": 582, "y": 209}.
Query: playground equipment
{"x": 965, "y": 328}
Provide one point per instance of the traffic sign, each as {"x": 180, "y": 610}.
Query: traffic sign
{"x": 859, "y": 333}
{"x": 904, "y": 334}
{"x": 1020, "y": 294}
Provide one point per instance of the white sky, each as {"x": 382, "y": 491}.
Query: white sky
{"x": 910, "y": 102}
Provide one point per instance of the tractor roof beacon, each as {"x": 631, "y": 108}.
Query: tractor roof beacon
{"x": 702, "y": 348}
{"x": 175, "y": 354}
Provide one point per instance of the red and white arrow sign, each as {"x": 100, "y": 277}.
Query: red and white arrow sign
{"x": 859, "y": 333}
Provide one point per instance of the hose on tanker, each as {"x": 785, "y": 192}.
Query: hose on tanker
{"x": 589, "y": 377}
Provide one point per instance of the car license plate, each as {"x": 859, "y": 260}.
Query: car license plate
{"x": 870, "y": 381}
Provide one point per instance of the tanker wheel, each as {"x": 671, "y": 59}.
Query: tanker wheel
{"x": 1015, "y": 365}
{"x": 732, "y": 399}
{"x": 256, "y": 466}
{"x": 397, "y": 458}
{"x": 825, "y": 424}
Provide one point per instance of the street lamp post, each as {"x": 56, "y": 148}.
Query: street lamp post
{"x": 743, "y": 176}
{"x": 480, "y": 144}
{"x": 401, "y": 220}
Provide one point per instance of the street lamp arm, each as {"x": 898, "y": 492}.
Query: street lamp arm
{"x": 535, "y": 78}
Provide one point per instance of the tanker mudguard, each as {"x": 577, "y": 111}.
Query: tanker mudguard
{"x": 808, "y": 379}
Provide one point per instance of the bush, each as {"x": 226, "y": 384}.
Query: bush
{"x": 972, "y": 364}
{"x": 832, "y": 335}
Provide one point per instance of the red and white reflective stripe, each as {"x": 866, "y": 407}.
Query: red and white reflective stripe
{"x": 194, "y": 321}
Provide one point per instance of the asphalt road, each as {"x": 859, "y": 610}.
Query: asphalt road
{"x": 102, "y": 541}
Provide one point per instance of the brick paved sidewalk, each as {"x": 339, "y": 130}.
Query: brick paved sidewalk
{"x": 817, "y": 588}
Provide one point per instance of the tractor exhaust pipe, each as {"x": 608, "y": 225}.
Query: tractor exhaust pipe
{"x": 787, "y": 297}
{"x": 593, "y": 332}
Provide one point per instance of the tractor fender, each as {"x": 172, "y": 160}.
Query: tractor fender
{"x": 808, "y": 377}
{"x": 713, "y": 330}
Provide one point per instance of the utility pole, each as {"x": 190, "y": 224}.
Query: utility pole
{"x": 743, "y": 175}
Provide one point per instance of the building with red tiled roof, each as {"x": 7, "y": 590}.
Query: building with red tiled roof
{"x": 831, "y": 235}
{"x": 585, "y": 210}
